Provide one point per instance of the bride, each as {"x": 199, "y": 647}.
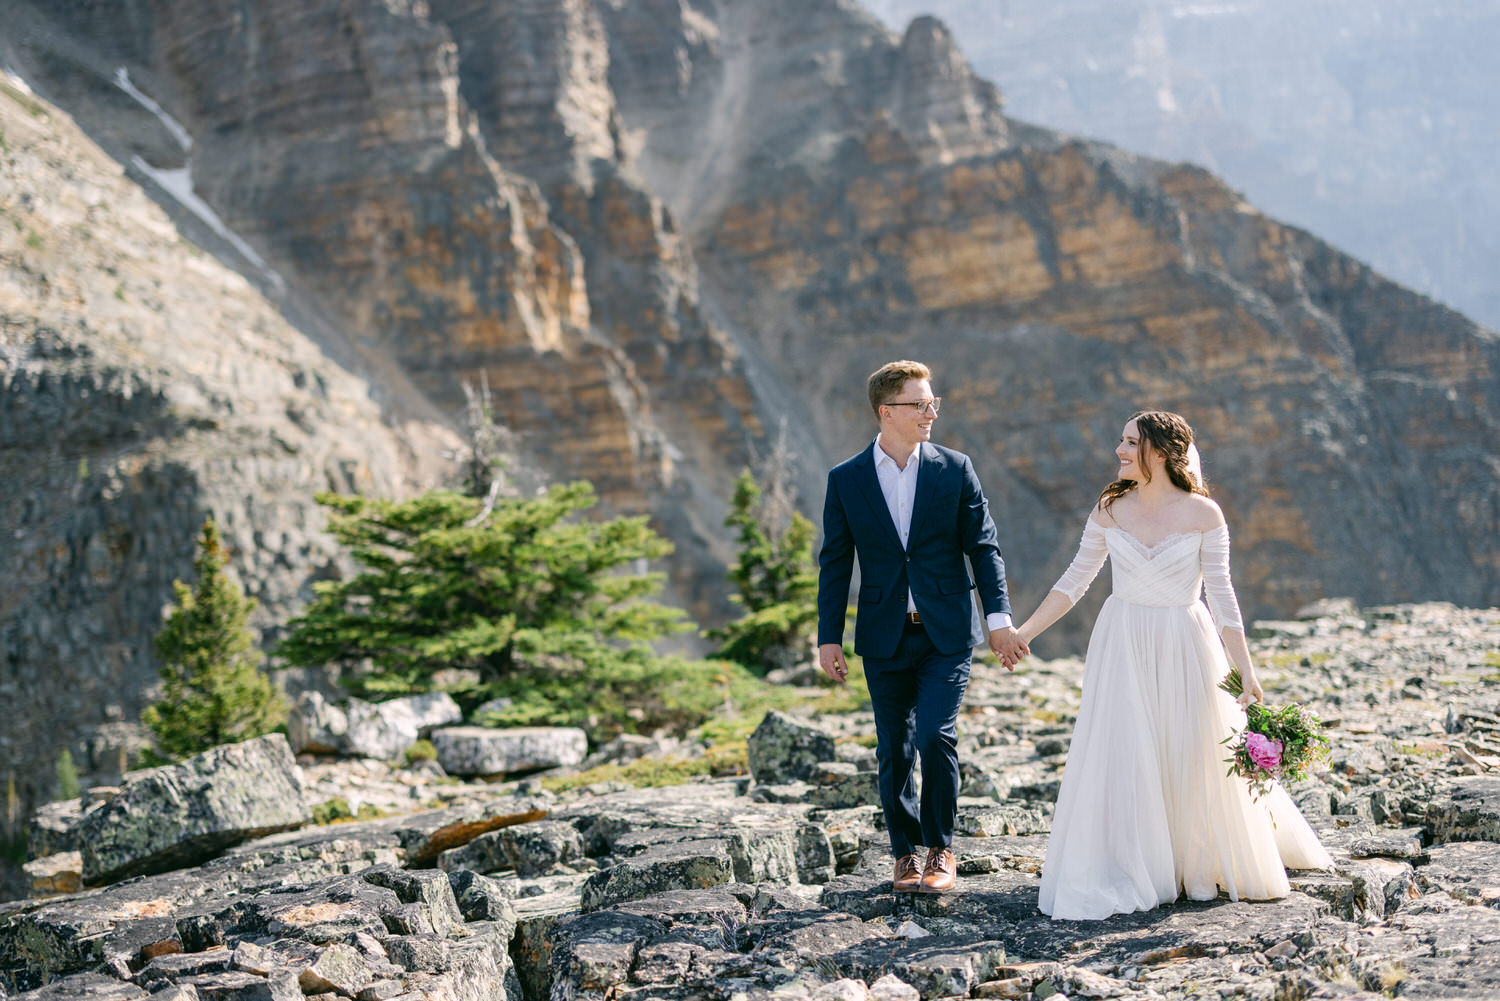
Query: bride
{"x": 1146, "y": 811}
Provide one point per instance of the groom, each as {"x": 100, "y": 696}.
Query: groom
{"x": 912, "y": 511}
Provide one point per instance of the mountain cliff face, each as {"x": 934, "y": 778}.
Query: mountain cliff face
{"x": 146, "y": 386}
{"x": 662, "y": 231}
{"x": 1369, "y": 122}
{"x": 1057, "y": 285}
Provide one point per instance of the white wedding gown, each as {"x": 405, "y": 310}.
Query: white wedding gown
{"x": 1146, "y": 810}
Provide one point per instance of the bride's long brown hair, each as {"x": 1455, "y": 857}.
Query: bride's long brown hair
{"x": 1170, "y": 435}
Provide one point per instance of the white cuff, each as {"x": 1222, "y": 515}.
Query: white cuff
{"x": 997, "y": 620}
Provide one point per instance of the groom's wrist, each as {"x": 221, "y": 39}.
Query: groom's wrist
{"x": 997, "y": 620}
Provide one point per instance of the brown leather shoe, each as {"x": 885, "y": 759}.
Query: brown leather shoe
{"x": 941, "y": 874}
{"x": 908, "y": 875}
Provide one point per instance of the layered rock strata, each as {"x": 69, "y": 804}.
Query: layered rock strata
{"x": 1056, "y": 286}
{"x": 442, "y": 179}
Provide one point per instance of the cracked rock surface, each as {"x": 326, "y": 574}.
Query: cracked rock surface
{"x": 709, "y": 890}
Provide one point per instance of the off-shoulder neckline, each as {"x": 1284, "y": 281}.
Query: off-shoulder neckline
{"x": 1160, "y": 543}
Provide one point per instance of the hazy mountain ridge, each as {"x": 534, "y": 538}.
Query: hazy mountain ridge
{"x": 1373, "y": 125}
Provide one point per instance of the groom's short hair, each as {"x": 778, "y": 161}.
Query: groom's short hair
{"x": 886, "y": 381}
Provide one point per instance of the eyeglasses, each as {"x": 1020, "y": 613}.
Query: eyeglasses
{"x": 931, "y": 406}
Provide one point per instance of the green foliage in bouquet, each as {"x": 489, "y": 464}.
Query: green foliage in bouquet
{"x": 213, "y": 691}
{"x": 775, "y": 578}
{"x": 1277, "y": 744}
{"x": 451, "y": 581}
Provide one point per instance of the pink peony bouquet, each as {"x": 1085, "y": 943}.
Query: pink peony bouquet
{"x": 1276, "y": 744}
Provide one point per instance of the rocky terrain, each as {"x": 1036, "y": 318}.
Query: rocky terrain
{"x": 776, "y": 885}
{"x": 660, "y": 231}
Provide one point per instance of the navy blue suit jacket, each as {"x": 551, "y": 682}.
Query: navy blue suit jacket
{"x": 950, "y": 521}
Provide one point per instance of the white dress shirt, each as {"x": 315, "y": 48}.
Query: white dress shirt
{"x": 899, "y": 486}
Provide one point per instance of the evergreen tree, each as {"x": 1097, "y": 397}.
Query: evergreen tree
{"x": 448, "y": 580}
{"x": 13, "y": 834}
{"x": 775, "y": 579}
{"x": 12, "y": 804}
{"x": 213, "y": 692}
{"x": 67, "y": 776}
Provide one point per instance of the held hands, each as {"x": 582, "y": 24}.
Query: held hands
{"x": 831, "y": 660}
{"x": 1008, "y": 645}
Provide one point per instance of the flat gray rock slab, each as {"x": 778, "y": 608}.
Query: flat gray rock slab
{"x": 479, "y": 750}
{"x": 1476, "y": 809}
{"x": 237, "y": 985}
{"x": 53, "y": 828}
{"x": 80, "y": 986}
{"x": 385, "y": 730}
{"x": 839, "y": 785}
{"x": 531, "y": 849}
{"x": 687, "y": 865}
{"x": 273, "y": 933}
{"x": 1468, "y": 871}
{"x": 937, "y": 966}
{"x": 1435, "y": 948}
{"x": 180, "y": 815}
{"x": 126, "y": 922}
{"x": 316, "y": 725}
{"x": 1011, "y": 817}
{"x": 784, "y": 748}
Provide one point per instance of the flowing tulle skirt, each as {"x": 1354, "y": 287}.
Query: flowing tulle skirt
{"x": 1146, "y": 810}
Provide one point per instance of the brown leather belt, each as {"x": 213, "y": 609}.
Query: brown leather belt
{"x": 914, "y": 618}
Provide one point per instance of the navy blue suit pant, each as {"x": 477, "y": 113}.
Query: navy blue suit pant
{"x": 916, "y": 694}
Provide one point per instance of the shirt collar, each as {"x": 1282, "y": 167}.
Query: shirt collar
{"x": 882, "y": 456}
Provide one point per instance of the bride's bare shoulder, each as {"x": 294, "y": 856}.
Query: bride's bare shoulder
{"x": 1204, "y": 513}
{"x": 1103, "y": 516}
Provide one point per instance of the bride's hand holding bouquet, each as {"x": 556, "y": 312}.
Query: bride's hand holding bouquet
{"x": 1246, "y": 687}
{"x": 1277, "y": 744}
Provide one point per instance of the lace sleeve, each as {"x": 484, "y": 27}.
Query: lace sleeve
{"x": 1214, "y": 561}
{"x": 1093, "y": 548}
